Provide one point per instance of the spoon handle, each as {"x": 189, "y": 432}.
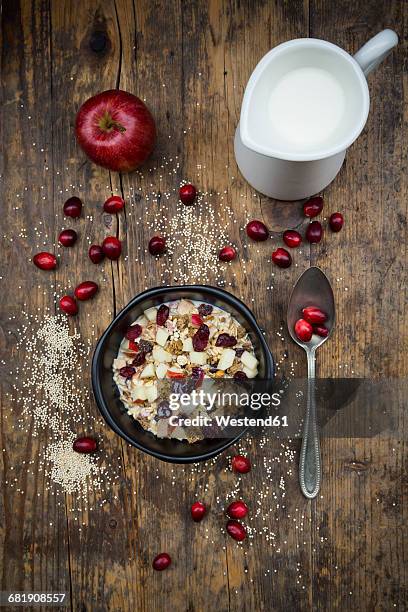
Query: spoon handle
{"x": 310, "y": 461}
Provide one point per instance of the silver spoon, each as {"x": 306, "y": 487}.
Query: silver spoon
{"x": 312, "y": 289}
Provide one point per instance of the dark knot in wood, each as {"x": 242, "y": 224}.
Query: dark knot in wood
{"x": 98, "y": 41}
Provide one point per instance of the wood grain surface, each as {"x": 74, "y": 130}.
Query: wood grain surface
{"x": 190, "y": 61}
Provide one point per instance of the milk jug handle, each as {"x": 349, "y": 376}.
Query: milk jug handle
{"x": 375, "y": 50}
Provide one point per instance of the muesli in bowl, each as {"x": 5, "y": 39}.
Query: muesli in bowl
{"x": 178, "y": 341}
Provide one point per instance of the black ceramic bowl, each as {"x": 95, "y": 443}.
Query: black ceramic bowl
{"x": 106, "y": 392}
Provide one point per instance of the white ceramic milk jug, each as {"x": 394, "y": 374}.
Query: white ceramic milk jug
{"x": 305, "y": 103}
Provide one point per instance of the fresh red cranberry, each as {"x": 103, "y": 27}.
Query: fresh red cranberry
{"x": 241, "y": 464}
{"x": 157, "y": 245}
{"x": 257, "y": 230}
{"x": 227, "y": 253}
{"x": 68, "y": 305}
{"x": 112, "y": 247}
{"x": 162, "y": 315}
{"x": 187, "y": 194}
{"x": 314, "y": 315}
{"x": 282, "y": 258}
{"x": 86, "y": 290}
{"x": 225, "y": 340}
{"x": 336, "y": 222}
{"x": 313, "y": 207}
{"x": 321, "y": 330}
{"x": 198, "y": 511}
{"x": 127, "y": 372}
{"x": 45, "y": 261}
{"x": 303, "y": 330}
{"x": 68, "y": 237}
{"x": 96, "y": 255}
{"x": 84, "y": 445}
{"x": 292, "y": 238}
{"x": 161, "y": 562}
{"x": 133, "y": 332}
{"x": 73, "y": 207}
{"x": 205, "y": 309}
{"x": 314, "y": 232}
{"x": 114, "y": 204}
{"x": 236, "y": 530}
{"x": 201, "y": 337}
{"x": 237, "y": 510}
{"x": 196, "y": 320}
{"x": 133, "y": 346}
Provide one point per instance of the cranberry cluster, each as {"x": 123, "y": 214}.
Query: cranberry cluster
{"x": 111, "y": 247}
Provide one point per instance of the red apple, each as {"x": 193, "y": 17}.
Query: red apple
{"x": 116, "y": 130}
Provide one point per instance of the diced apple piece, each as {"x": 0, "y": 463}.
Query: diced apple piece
{"x": 226, "y": 360}
{"x": 188, "y": 345}
{"x": 161, "y": 335}
{"x": 119, "y": 363}
{"x": 152, "y": 393}
{"x": 148, "y": 371}
{"x": 249, "y": 360}
{"x": 142, "y": 321}
{"x": 161, "y": 370}
{"x": 150, "y": 313}
{"x": 199, "y": 358}
{"x": 185, "y": 307}
{"x": 250, "y": 373}
{"x": 139, "y": 393}
{"x": 160, "y": 355}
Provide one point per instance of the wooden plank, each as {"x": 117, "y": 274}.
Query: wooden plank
{"x": 86, "y": 59}
{"x": 33, "y": 523}
{"x": 359, "y": 562}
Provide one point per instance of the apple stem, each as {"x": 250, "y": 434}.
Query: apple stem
{"x": 107, "y": 124}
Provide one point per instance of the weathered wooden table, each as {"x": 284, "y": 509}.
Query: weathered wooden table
{"x": 190, "y": 61}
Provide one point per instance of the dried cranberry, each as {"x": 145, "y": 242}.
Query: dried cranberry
{"x": 134, "y": 332}
{"x": 139, "y": 359}
{"x": 201, "y": 337}
{"x": 127, "y": 371}
{"x": 145, "y": 346}
{"x": 205, "y": 309}
{"x": 240, "y": 375}
{"x": 162, "y": 314}
{"x": 196, "y": 320}
{"x": 225, "y": 340}
{"x": 163, "y": 410}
